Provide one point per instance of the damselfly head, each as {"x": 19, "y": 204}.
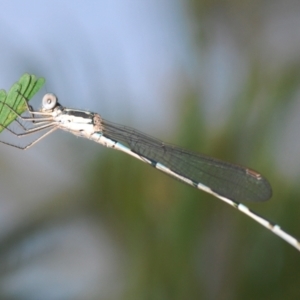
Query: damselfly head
{"x": 49, "y": 101}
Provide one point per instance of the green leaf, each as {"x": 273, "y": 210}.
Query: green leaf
{"x": 22, "y": 91}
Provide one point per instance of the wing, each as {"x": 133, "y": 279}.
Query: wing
{"x": 225, "y": 179}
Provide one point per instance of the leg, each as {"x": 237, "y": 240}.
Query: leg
{"x": 32, "y": 143}
{"x": 32, "y": 119}
{"x": 30, "y": 131}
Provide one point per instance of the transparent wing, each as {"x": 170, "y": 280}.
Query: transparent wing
{"x": 229, "y": 180}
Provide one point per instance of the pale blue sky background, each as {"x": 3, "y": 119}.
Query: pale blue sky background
{"x": 119, "y": 58}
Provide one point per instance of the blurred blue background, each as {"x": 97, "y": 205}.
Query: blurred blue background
{"x": 78, "y": 221}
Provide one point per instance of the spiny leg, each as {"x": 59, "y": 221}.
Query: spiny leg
{"x": 32, "y": 119}
{"x": 28, "y": 133}
{"x": 37, "y": 123}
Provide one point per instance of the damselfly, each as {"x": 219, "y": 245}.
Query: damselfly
{"x": 229, "y": 182}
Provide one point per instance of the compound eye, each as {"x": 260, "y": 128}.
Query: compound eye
{"x": 49, "y": 101}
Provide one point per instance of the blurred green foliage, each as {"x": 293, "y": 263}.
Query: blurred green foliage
{"x": 181, "y": 243}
